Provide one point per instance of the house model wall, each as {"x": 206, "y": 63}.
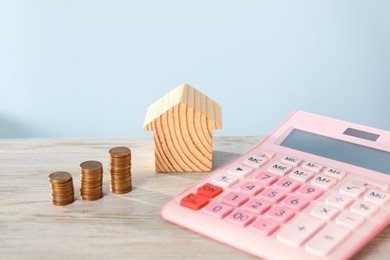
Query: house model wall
{"x": 182, "y": 122}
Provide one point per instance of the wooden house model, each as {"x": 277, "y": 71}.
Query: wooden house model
{"x": 182, "y": 122}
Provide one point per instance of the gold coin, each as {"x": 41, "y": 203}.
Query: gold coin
{"x": 56, "y": 183}
{"x": 92, "y": 179}
{"x": 120, "y": 174}
{"x": 62, "y": 193}
{"x": 119, "y": 181}
{"x": 87, "y": 180}
{"x": 119, "y": 161}
{"x": 115, "y": 172}
{"x": 121, "y": 189}
{"x": 63, "y": 203}
{"x": 119, "y": 169}
{"x": 92, "y": 171}
{"x": 58, "y": 191}
{"x": 122, "y": 158}
{"x": 121, "y": 185}
{"x": 91, "y": 182}
{"x": 120, "y": 151}
{"x": 91, "y": 166}
{"x": 91, "y": 189}
{"x": 60, "y": 177}
{"x": 91, "y": 195}
{"x": 61, "y": 199}
{"x": 115, "y": 191}
{"x": 87, "y": 197}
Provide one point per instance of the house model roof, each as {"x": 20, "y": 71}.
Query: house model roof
{"x": 184, "y": 94}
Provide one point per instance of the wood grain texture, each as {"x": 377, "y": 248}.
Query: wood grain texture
{"x": 125, "y": 226}
{"x": 182, "y": 122}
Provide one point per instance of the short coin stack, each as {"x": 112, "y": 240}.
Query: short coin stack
{"x": 120, "y": 170}
{"x": 61, "y": 184}
{"x": 91, "y": 180}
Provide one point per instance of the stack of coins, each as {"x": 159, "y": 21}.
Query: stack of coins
{"x": 120, "y": 170}
{"x": 91, "y": 180}
{"x": 62, "y": 192}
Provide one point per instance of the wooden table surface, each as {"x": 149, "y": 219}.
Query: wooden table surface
{"x": 125, "y": 226}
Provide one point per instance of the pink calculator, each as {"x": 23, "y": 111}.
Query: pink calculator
{"x": 315, "y": 188}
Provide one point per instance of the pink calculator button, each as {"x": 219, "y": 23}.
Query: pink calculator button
{"x": 266, "y": 178}
{"x": 234, "y": 199}
{"x": 272, "y": 195}
{"x": 241, "y": 218}
{"x": 265, "y": 226}
{"x": 296, "y": 203}
{"x": 257, "y": 206}
{"x": 309, "y": 191}
{"x": 287, "y": 185}
{"x": 250, "y": 188}
{"x": 217, "y": 209}
{"x": 280, "y": 214}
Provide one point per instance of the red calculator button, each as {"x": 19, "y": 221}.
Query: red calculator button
{"x": 194, "y": 201}
{"x": 209, "y": 190}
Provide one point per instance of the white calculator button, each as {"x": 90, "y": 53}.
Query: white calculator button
{"x": 300, "y": 175}
{"x": 291, "y": 161}
{"x": 338, "y": 174}
{"x": 279, "y": 169}
{"x": 314, "y": 167}
{"x": 351, "y": 189}
{"x": 224, "y": 180}
{"x": 363, "y": 208}
{"x": 376, "y": 196}
{"x": 323, "y": 181}
{"x": 380, "y": 185}
{"x": 338, "y": 201}
{"x": 268, "y": 154}
{"x": 299, "y": 230}
{"x": 327, "y": 239}
{"x": 324, "y": 212}
{"x": 240, "y": 170}
{"x": 349, "y": 220}
{"x": 255, "y": 161}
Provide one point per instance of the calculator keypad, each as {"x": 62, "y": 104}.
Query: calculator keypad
{"x": 269, "y": 193}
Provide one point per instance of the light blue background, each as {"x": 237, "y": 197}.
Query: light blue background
{"x": 91, "y": 68}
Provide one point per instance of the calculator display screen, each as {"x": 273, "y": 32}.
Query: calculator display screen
{"x": 335, "y": 149}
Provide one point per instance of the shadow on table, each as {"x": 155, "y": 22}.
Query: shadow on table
{"x": 220, "y": 158}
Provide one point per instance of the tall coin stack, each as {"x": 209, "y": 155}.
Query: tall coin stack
{"x": 120, "y": 170}
{"x": 61, "y": 184}
{"x": 91, "y": 180}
